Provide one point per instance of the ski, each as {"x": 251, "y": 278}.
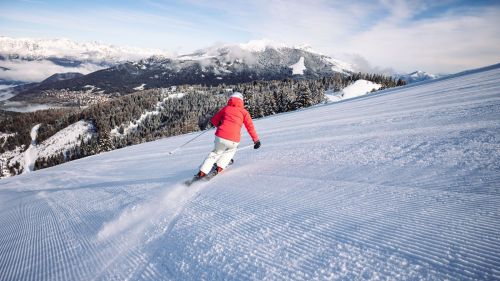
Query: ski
{"x": 208, "y": 177}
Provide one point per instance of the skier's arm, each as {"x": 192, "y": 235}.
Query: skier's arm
{"x": 217, "y": 118}
{"x": 247, "y": 120}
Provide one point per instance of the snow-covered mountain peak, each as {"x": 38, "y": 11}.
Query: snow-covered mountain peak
{"x": 263, "y": 44}
{"x": 32, "y": 48}
{"x": 236, "y": 63}
{"x": 260, "y": 45}
{"x": 266, "y": 52}
{"x": 45, "y": 57}
{"x": 417, "y": 76}
{"x": 252, "y": 47}
{"x": 419, "y": 73}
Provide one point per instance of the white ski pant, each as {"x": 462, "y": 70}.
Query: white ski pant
{"x": 222, "y": 154}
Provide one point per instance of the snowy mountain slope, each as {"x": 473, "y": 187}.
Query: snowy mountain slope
{"x": 358, "y": 88}
{"x": 263, "y": 54}
{"x": 30, "y": 154}
{"x": 60, "y": 142}
{"x": 401, "y": 184}
{"x": 298, "y": 67}
{"x": 66, "y": 138}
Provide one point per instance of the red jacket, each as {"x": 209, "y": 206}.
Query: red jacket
{"x": 230, "y": 119}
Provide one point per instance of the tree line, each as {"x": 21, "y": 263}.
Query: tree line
{"x": 175, "y": 116}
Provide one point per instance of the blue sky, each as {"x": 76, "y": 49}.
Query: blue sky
{"x": 436, "y": 36}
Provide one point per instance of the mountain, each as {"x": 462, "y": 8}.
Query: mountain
{"x": 61, "y": 76}
{"x": 44, "y": 57}
{"x": 66, "y": 52}
{"x": 392, "y": 185}
{"x": 229, "y": 64}
{"x": 38, "y": 87}
{"x": 417, "y": 76}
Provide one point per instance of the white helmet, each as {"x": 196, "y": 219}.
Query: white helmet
{"x": 237, "y": 95}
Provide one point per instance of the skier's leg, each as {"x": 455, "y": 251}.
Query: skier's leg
{"x": 228, "y": 154}
{"x": 213, "y": 156}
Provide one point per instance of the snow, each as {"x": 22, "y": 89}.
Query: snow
{"x": 359, "y": 88}
{"x": 340, "y": 66}
{"x": 176, "y": 96}
{"x": 140, "y": 87}
{"x": 66, "y": 138}
{"x": 33, "y": 60}
{"x": 7, "y": 155}
{"x": 196, "y": 57}
{"x": 31, "y": 154}
{"x": 4, "y": 136}
{"x": 298, "y": 67}
{"x": 66, "y": 48}
{"x": 249, "y": 53}
{"x": 260, "y": 45}
{"x": 416, "y": 76}
{"x": 419, "y": 74}
{"x": 91, "y": 88}
{"x": 11, "y": 157}
{"x": 63, "y": 140}
{"x": 402, "y": 184}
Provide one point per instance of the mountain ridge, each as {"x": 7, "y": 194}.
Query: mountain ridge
{"x": 417, "y": 76}
{"x": 221, "y": 64}
{"x": 31, "y": 60}
{"x": 34, "y": 48}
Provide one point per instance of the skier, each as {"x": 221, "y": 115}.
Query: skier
{"x": 228, "y": 121}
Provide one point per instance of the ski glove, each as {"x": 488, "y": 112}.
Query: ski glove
{"x": 256, "y": 144}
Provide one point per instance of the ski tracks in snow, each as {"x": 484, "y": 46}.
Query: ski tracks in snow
{"x": 76, "y": 241}
{"x": 135, "y": 220}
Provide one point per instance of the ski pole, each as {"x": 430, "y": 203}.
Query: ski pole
{"x": 179, "y": 147}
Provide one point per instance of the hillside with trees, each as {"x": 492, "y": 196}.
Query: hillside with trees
{"x": 173, "y": 111}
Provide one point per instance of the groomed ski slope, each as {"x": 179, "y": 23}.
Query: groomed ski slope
{"x": 401, "y": 184}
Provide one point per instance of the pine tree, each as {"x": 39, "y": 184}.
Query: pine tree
{"x": 304, "y": 98}
{"x": 105, "y": 143}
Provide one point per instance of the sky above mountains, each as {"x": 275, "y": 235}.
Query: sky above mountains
{"x": 384, "y": 35}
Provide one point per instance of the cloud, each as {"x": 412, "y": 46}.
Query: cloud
{"x": 361, "y": 64}
{"x": 447, "y": 44}
{"x": 115, "y": 26}
{"x": 24, "y": 107}
{"x": 36, "y": 71}
{"x": 436, "y": 36}
{"x": 295, "y": 22}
